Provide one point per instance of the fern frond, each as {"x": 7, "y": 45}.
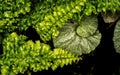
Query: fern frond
{"x": 10, "y": 12}
{"x": 57, "y": 18}
{"x": 62, "y": 57}
{"x": 18, "y": 55}
{"x": 108, "y": 5}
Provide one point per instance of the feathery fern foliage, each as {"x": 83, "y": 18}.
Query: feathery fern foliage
{"x": 19, "y": 55}
{"x": 45, "y": 16}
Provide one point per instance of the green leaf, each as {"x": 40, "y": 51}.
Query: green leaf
{"x": 79, "y": 37}
{"x": 116, "y": 37}
{"x": 87, "y": 26}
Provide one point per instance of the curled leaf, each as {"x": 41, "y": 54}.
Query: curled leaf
{"x": 79, "y": 38}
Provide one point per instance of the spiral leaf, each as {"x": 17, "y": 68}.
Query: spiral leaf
{"x": 79, "y": 38}
{"x": 87, "y": 26}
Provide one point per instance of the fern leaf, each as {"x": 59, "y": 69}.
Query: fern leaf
{"x": 58, "y": 17}
{"x": 18, "y": 55}
{"x": 10, "y": 12}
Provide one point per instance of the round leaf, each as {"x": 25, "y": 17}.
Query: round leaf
{"x": 85, "y": 42}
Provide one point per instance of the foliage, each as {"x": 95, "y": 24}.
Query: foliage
{"x": 10, "y": 12}
{"x": 46, "y": 17}
{"x": 79, "y": 37}
{"x": 116, "y": 38}
{"x": 19, "y": 54}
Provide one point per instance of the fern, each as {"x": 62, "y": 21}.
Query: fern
{"x": 46, "y": 17}
{"x": 19, "y": 54}
{"x": 58, "y": 17}
{"x": 10, "y": 12}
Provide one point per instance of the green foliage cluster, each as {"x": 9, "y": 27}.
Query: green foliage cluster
{"x": 10, "y": 12}
{"x": 72, "y": 9}
{"x": 20, "y": 55}
{"x": 57, "y": 18}
{"x": 45, "y": 16}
